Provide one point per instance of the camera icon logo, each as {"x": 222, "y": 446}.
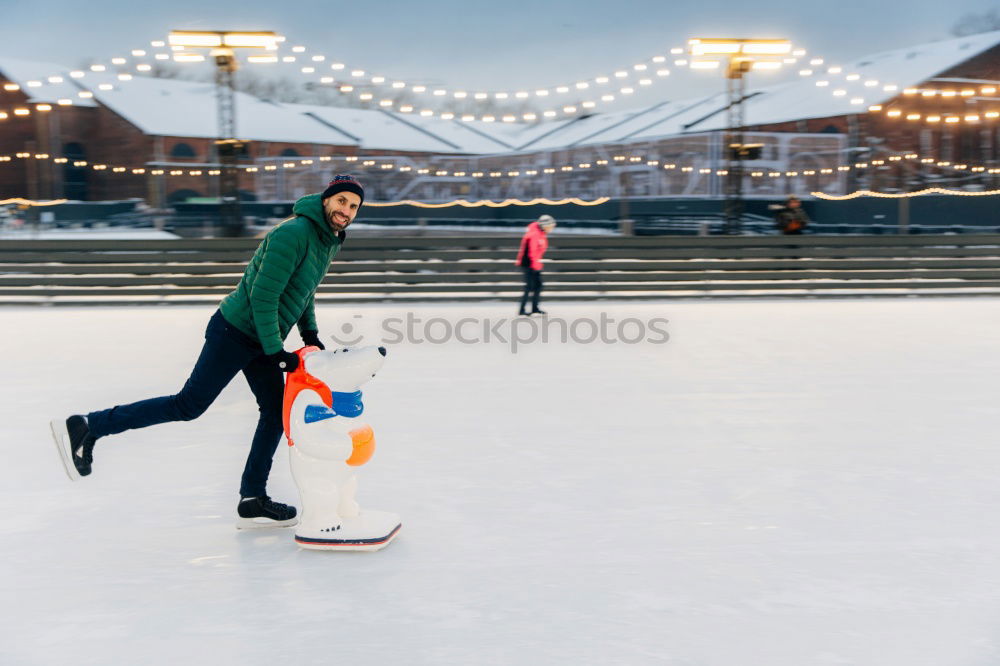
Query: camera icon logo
{"x": 348, "y": 334}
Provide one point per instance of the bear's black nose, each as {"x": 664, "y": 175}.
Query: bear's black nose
{"x": 381, "y": 350}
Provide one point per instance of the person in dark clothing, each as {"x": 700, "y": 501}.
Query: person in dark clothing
{"x": 791, "y": 219}
{"x": 246, "y": 334}
{"x": 534, "y": 243}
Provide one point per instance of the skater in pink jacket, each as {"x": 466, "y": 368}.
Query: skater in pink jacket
{"x": 534, "y": 243}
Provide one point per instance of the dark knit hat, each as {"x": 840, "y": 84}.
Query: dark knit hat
{"x": 341, "y": 183}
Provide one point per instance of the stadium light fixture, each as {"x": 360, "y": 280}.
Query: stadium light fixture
{"x": 763, "y": 47}
{"x": 741, "y": 56}
{"x": 224, "y": 39}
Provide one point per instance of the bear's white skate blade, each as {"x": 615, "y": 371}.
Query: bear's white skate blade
{"x": 372, "y": 530}
{"x": 264, "y": 523}
{"x": 61, "y": 438}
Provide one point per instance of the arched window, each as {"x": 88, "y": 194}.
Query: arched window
{"x": 182, "y": 150}
{"x": 74, "y": 151}
{"x": 74, "y": 178}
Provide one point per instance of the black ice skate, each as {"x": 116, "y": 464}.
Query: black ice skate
{"x": 75, "y": 445}
{"x": 262, "y": 511}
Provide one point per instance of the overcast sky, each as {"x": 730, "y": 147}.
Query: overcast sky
{"x": 483, "y": 45}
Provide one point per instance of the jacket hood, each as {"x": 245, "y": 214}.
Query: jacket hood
{"x": 311, "y": 208}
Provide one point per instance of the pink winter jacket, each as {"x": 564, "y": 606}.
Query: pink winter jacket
{"x": 534, "y": 243}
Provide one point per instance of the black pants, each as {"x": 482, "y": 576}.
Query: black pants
{"x": 532, "y": 288}
{"x": 227, "y": 351}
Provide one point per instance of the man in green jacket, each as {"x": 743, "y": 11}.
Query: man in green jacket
{"x": 245, "y": 334}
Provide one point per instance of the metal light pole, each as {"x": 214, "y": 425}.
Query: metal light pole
{"x": 229, "y": 149}
{"x": 741, "y": 56}
{"x": 736, "y": 92}
{"x": 225, "y": 147}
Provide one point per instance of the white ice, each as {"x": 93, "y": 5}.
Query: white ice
{"x": 783, "y": 483}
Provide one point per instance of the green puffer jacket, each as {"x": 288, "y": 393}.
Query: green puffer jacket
{"x": 277, "y": 288}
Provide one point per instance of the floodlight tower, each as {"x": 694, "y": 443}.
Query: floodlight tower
{"x": 229, "y": 149}
{"x": 741, "y": 56}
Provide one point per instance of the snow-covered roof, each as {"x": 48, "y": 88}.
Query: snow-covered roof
{"x": 518, "y": 135}
{"x": 376, "y": 130}
{"x": 406, "y": 132}
{"x": 26, "y": 73}
{"x": 170, "y": 107}
{"x": 612, "y": 127}
{"x": 167, "y": 107}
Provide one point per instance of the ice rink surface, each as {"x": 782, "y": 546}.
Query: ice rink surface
{"x": 800, "y": 483}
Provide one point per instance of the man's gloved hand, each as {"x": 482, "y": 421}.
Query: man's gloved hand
{"x": 311, "y": 339}
{"x": 286, "y": 361}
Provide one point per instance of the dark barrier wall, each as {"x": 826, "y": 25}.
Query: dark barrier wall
{"x": 611, "y": 210}
{"x": 88, "y": 210}
{"x": 934, "y": 210}
{"x": 925, "y": 210}
{"x": 930, "y": 210}
{"x": 260, "y": 209}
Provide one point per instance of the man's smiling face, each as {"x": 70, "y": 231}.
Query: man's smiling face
{"x": 340, "y": 209}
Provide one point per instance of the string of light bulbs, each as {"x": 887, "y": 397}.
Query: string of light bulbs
{"x": 358, "y": 81}
{"x": 138, "y": 59}
{"x": 608, "y": 95}
{"x": 357, "y": 77}
{"x": 465, "y": 203}
{"x": 349, "y": 78}
{"x": 903, "y": 195}
{"x": 178, "y": 55}
{"x": 389, "y": 163}
{"x": 570, "y": 108}
{"x": 964, "y": 92}
{"x": 31, "y": 202}
{"x": 950, "y": 116}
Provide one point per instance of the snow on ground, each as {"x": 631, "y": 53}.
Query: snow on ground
{"x": 782, "y": 483}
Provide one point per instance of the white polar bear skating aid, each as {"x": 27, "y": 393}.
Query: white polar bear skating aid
{"x": 328, "y": 442}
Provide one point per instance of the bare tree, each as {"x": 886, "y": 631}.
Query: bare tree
{"x": 972, "y": 24}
